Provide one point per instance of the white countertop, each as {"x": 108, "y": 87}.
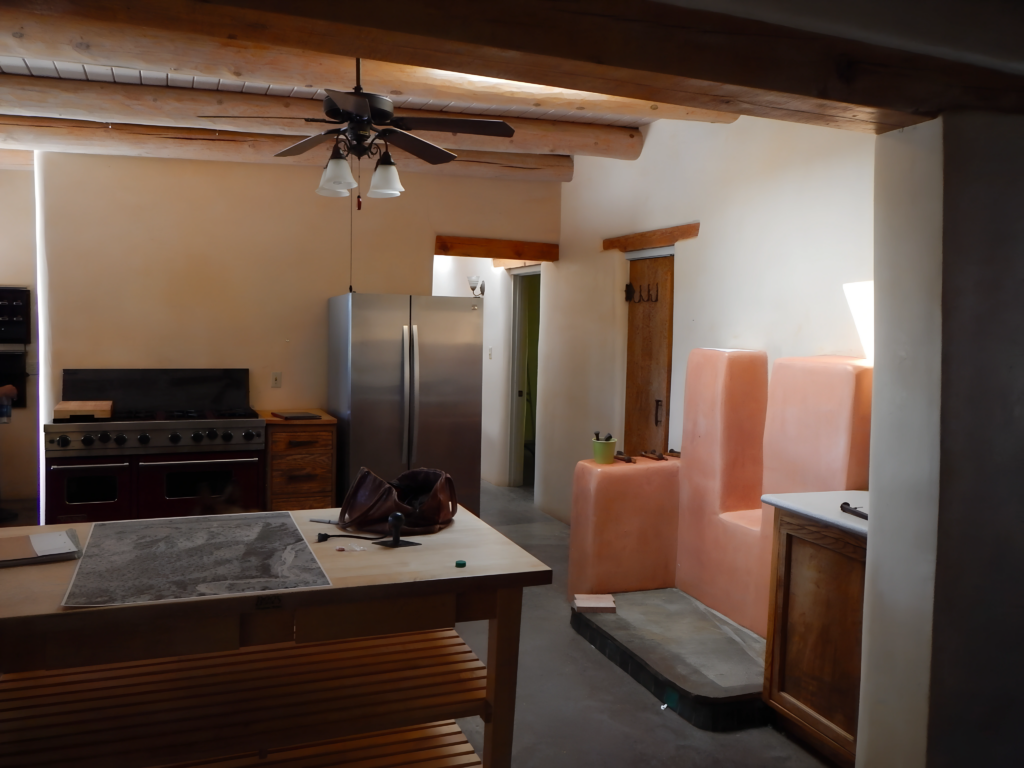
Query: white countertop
{"x": 824, "y": 507}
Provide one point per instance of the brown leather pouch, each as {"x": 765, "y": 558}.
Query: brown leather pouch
{"x": 426, "y": 497}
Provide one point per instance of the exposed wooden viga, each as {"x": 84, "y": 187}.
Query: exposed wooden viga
{"x": 16, "y": 160}
{"x": 655, "y": 238}
{"x": 193, "y": 38}
{"x": 29, "y": 133}
{"x": 662, "y": 53}
{"x": 184, "y": 107}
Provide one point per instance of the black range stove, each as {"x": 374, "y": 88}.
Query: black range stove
{"x": 179, "y": 442}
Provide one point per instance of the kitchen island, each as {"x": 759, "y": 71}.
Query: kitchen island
{"x": 248, "y": 675}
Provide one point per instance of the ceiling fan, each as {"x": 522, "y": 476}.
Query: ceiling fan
{"x": 366, "y": 121}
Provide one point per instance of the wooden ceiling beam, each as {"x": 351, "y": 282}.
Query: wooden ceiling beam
{"x": 185, "y": 37}
{"x": 40, "y": 133}
{"x": 655, "y": 52}
{"x": 181, "y": 108}
{"x": 16, "y": 160}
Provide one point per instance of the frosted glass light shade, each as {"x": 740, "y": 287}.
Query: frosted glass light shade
{"x": 385, "y": 182}
{"x": 338, "y": 175}
{"x": 332, "y": 192}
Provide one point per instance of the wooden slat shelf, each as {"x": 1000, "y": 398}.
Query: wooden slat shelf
{"x": 438, "y": 745}
{"x": 198, "y": 707}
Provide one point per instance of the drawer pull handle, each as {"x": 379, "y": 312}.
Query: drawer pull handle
{"x": 306, "y": 476}
{"x": 300, "y": 443}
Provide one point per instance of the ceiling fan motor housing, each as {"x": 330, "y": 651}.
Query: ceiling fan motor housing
{"x": 382, "y": 109}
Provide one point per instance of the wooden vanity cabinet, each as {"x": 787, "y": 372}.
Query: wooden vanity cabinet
{"x": 812, "y": 670}
{"x": 301, "y": 458}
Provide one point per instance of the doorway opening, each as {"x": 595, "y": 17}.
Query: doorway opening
{"x": 523, "y": 410}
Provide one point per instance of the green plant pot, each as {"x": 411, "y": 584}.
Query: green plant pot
{"x": 604, "y": 451}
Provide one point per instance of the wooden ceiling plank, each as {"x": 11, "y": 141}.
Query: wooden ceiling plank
{"x": 181, "y": 107}
{"x": 487, "y": 248}
{"x": 49, "y": 134}
{"x": 655, "y": 238}
{"x": 16, "y": 160}
{"x": 207, "y": 40}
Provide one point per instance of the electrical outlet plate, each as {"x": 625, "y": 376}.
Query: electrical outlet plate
{"x": 275, "y": 379}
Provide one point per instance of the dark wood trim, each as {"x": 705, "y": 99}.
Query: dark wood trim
{"x": 656, "y": 238}
{"x": 487, "y": 248}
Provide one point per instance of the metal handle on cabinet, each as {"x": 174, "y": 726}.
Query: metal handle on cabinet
{"x": 88, "y": 466}
{"x": 405, "y": 395}
{"x": 415, "y": 439}
{"x": 202, "y": 461}
{"x": 658, "y": 418}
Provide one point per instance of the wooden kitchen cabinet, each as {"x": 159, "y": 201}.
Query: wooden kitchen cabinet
{"x": 812, "y": 662}
{"x": 301, "y": 457}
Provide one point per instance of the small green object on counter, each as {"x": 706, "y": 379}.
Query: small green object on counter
{"x": 604, "y": 451}
{"x": 460, "y": 563}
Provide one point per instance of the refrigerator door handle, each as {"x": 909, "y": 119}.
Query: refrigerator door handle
{"x": 415, "y": 421}
{"x": 406, "y": 362}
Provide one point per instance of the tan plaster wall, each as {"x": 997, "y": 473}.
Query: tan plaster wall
{"x": 176, "y": 263}
{"x": 19, "y": 444}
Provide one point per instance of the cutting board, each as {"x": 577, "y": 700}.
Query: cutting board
{"x": 67, "y": 409}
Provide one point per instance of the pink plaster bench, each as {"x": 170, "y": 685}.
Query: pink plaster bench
{"x": 623, "y": 530}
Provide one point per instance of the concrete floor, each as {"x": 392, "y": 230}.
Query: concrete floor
{"x": 574, "y": 706}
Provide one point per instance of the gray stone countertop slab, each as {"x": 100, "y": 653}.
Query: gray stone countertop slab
{"x": 823, "y": 507}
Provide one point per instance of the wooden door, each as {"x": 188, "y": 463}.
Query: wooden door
{"x": 649, "y": 355}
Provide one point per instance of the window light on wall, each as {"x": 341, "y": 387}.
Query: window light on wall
{"x": 861, "y": 298}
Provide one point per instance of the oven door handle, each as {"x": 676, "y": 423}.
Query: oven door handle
{"x": 88, "y": 466}
{"x": 179, "y": 463}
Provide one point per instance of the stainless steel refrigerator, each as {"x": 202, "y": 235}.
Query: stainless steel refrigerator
{"x": 404, "y": 381}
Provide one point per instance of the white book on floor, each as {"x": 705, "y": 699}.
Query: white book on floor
{"x": 594, "y": 603}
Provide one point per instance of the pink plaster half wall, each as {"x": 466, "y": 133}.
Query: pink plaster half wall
{"x": 623, "y": 532}
{"x": 718, "y": 561}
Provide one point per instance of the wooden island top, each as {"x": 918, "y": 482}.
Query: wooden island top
{"x": 267, "y": 414}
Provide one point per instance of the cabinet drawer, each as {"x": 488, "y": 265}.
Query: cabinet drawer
{"x": 302, "y": 441}
{"x": 288, "y": 503}
{"x": 294, "y": 480}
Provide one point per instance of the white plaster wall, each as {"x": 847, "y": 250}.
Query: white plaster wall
{"x": 786, "y": 218}
{"x": 451, "y": 275}
{"x": 899, "y": 587}
{"x": 19, "y": 440}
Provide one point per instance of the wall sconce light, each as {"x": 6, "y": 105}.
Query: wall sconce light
{"x": 476, "y": 283}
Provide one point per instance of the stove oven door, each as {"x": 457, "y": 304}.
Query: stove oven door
{"x": 88, "y": 490}
{"x": 199, "y": 484}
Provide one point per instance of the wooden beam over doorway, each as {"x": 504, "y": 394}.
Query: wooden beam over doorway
{"x": 486, "y": 248}
{"x": 656, "y": 238}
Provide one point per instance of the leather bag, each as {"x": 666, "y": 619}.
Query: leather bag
{"x": 426, "y": 497}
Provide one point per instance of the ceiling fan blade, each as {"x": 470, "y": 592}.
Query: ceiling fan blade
{"x": 414, "y": 145}
{"x": 455, "y": 125}
{"x": 350, "y": 102}
{"x": 307, "y": 144}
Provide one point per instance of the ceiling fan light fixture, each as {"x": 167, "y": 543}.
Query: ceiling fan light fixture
{"x": 385, "y": 181}
{"x": 338, "y": 175}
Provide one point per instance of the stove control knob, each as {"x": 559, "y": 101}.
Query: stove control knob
{"x": 197, "y": 437}
{"x": 88, "y": 440}
{"x": 174, "y": 437}
{"x": 144, "y": 439}
{"x": 248, "y": 435}
{"x": 104, "y": 437}
{"x": 227, "y": 437}
{"x": 63, "y": 441}
{"x": 120, "y": 439}
{"x": 212, "y": 434}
